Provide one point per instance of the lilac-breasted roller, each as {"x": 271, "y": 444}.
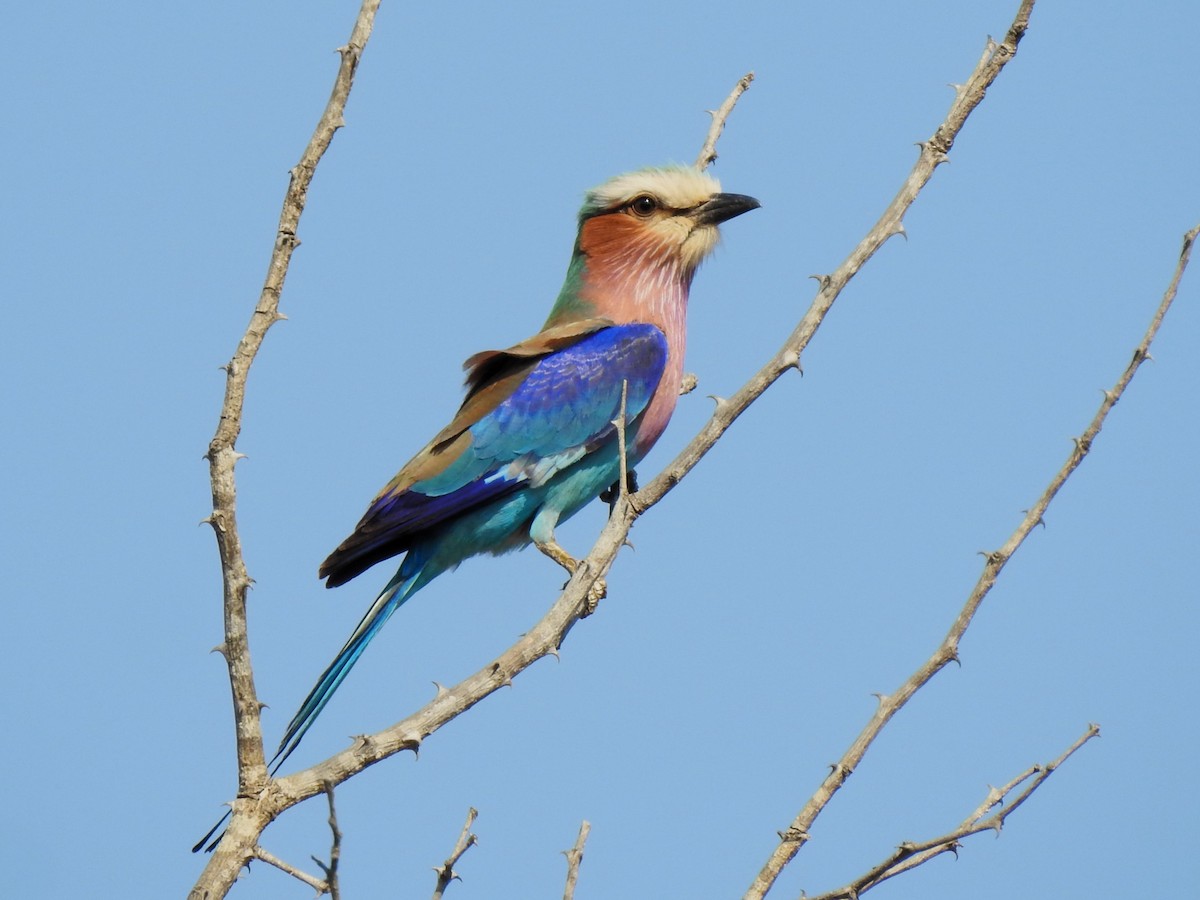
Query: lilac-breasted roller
{"x": 534, "y": 440}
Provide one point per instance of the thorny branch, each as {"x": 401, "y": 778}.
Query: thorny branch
{"x": 466, "y": 840}
{"x": 910, "y": 855}
{"x": 543, "y": 639}
{"x": 253, "y": 782}
{"x": 271, "y": 859}
{"x": 797, "y": 833}
{"x": 708, "y": 153}
{"x": 335, "y": 849}
{"x": 260, "y": 800}
{"x": 575, "y": 859}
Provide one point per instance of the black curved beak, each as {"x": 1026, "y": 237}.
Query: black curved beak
{"x": 723, "y": 207}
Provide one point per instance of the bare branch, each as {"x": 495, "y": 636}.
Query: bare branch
{"x": 909, "y": 855}
{"x": 335, "y": 849}
{"x": 621, "y": 423}
{"x": 266, "y": 801}
{"x": 271, "y": 859}
{"x": 797, "y": 833}
{"x": 708, "y": 153}
{"x": 575, "y": 858}
{"x": 445, "y": 872}
{"x": 547, "y": 635}
{"x": 225, "y": 864}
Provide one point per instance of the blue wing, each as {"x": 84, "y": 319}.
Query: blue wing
{"x": 544, "y": 414}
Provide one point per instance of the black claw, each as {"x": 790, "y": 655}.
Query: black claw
{"x": 610, "y": 494}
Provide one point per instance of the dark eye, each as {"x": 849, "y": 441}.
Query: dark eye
{"x": 644, "y": 205}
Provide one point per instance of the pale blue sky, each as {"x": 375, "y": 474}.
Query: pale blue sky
{"x": 816, "y": 556}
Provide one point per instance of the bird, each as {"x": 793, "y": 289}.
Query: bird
{"x": 536, "y": 436}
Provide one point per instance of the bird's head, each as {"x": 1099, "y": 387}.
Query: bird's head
{"x": 643, "y": 232}
{"x": 661, "y": 213}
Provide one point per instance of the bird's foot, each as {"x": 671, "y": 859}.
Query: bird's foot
{"x": 555, "y": 551}
{"x": 599, "y": 589}
{"x": 597, "y": 592}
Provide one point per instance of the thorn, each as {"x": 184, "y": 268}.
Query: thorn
{"x": 899, "y": 230}
{"x": 261, "y": 705}
{"x": 441, "y": 690}
{"x": 822, "y": 281}
{"x": 1040, "y": 520}
{"x": 207, "y": 520}
{"x": 281, "y": 317}
{"x": 906, "y": 846}
{"x": 719, "y": 401}
{"x": 219, "y": 648}
{"x": 791, "y": 360}
{"x": 1147, "y": 357}
{"x": 628, "y": 543}
{"x": 238, "y": 457}
{"x": 882, "y": 698}
{"x": 1110, "y": 396}
{"x": 839, "y": 769}
{"x": 553, "y": 651}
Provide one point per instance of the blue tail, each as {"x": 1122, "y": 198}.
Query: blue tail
{"x": 410, "y": 578}
{"x": 413, "y": 574}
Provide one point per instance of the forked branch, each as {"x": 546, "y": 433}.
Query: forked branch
{"x": 910, "y": 855}
{"x": 445, "y": 872}
{"x": 797, "y": 833}
{"x": 253, "y": 782}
